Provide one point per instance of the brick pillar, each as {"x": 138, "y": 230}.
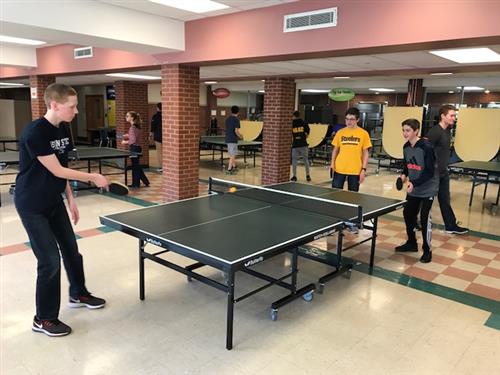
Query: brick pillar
{"x": 132, "y": 96}
{"x": 180, "y": 96}
{"x": 279, "y": 101}
{"x": 38, "y": 108}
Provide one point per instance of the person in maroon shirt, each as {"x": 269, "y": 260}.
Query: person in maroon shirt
{"x": 132, "y": 140}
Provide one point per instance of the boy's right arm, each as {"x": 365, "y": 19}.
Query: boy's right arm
{"x": 52, "y": 164}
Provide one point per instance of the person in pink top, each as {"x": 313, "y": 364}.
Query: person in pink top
{"x": 132, "y": 140}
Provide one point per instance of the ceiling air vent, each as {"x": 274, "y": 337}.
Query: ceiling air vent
{"x": 317, "y": 19}
{"x": 83, "y": 53}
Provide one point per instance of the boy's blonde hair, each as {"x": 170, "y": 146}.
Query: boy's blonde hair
{"x": 58, "y": 92}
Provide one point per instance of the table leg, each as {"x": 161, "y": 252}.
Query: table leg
{"x": 230, "y": 310}
{"x": 141, "y": 269}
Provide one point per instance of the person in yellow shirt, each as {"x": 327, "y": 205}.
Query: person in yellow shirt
{"x": 350, "y": 153}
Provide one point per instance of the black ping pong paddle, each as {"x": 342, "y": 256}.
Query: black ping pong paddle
{"x": 399, "y": 183}
{"x": 331, "y": 173}
{"x": 118, "y": 188}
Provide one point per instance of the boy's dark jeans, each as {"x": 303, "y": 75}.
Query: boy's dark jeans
{"x": 339, "y": 180}
{"x": 50, "y": 233}
{"x": 450, "y": 221}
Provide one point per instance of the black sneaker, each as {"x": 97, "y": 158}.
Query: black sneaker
{"x": 88, "y": 301}
{"x": 457, "y": 230}
{"x": 293, "y": 179}
{"x": 51, "y": 328}
{"x": 308, "y": 178}
{"x": 407, "y": 247}
{"x": 426, "y": 258}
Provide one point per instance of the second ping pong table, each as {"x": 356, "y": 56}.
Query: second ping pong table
{"x": 88, "y": 154}
{"x": 218, "y": 143}
{"x": 238, "y": 226}
{"x": 483, "y": 172}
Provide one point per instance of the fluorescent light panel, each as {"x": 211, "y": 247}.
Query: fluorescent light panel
{"x": 11, "y": 84}
{"x": 468, "y": 55}
{"x": 382, "y": 90}
{"x": 441, "y": 74}
{"x": 195, "y": 6}
{"x": 317, "y": 91}
{"x": 135, "y": 76}
{"x": 210, "y": 82}
{"x": 471, "y": 88}
{"x": 341, "y": 77}
{"x": 14, "y": 40}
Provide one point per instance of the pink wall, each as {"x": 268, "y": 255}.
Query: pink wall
{"x": 361, "y": 24}
{"x": 364, "y": 26}
{"x": 59, "y": 60}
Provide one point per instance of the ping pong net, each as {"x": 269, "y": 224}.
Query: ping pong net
{"x": 351, "y": 214}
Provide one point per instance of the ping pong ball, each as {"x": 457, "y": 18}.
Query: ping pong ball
{"x": 232, "y": 189}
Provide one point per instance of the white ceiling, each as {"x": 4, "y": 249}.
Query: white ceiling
{"x": 178, "y": 14}
{"x": 389, "y": 70}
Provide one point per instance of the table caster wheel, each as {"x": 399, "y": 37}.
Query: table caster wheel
{"x": 308, "y": 297}
{"x": 347, "y": 274}
{"x": 274, "y": 315}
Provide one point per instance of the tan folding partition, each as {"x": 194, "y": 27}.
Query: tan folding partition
{"x": 317, "y": 134}
{"x": 250, "y": 129}
{"x": 392, "y": 135}
{"x": 478, "y": 133}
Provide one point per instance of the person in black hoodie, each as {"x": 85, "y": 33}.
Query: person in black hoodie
{"x": 440, "y": 138}
{"x": 300, "y": 131}
{"x": 420, "y": 175}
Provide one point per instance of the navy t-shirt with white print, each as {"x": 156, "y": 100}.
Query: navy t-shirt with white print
{"x": 37, "y": 189}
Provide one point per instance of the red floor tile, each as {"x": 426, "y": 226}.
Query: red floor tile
{"x": 484, "y": 291}
{"x": 421, "y": 273}
{"x": 493, "y": 249}
{"x": 492, "y": 272}
{"x": 459, "y": 274}
{"x": 476, "y": 260}
{"x": 441, "y": 259}
{"x": 13, "y": 249}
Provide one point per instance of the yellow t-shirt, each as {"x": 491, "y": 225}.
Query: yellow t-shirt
{"x": 351, "y": 143}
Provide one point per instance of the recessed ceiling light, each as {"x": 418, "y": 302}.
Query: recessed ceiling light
{"x": 341, "y": 77}
{"x": 468, "y": 55}
{"x": 261, "y": 91}
{"x": 315, "y": 91}
{"x": 382, "y": 90}
{"x": 11, "y": 84}
{"x": 441, "y": 74}
{"x": 471, "y": 88}
{"x": 210, "y": 82}
{"x": 134, "y": 76}
{"x": 486, "y": 91}
{"x": 14, "y": 40}
{"x": 263, "y": 80}
{"x": 198, "y": 6}
{"x": 451, "y": 92}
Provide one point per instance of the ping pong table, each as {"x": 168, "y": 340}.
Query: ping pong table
{"x": 483, "y": 172}
{"x": 218, "y": 143}
{"x": 6, "y": 139}
{"x": 238, "y": 226}
{"x": 88, "y": 154}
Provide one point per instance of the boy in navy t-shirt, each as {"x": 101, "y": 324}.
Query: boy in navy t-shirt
{"x": 232, "y": 135}
{"x": 43, "y": 177}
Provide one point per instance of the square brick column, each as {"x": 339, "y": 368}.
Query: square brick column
{"x": 279, "y": 101}
{"x": 180, "y": 96}
{"x": 132, "y": 96}
{"x": 38, "y": 108}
